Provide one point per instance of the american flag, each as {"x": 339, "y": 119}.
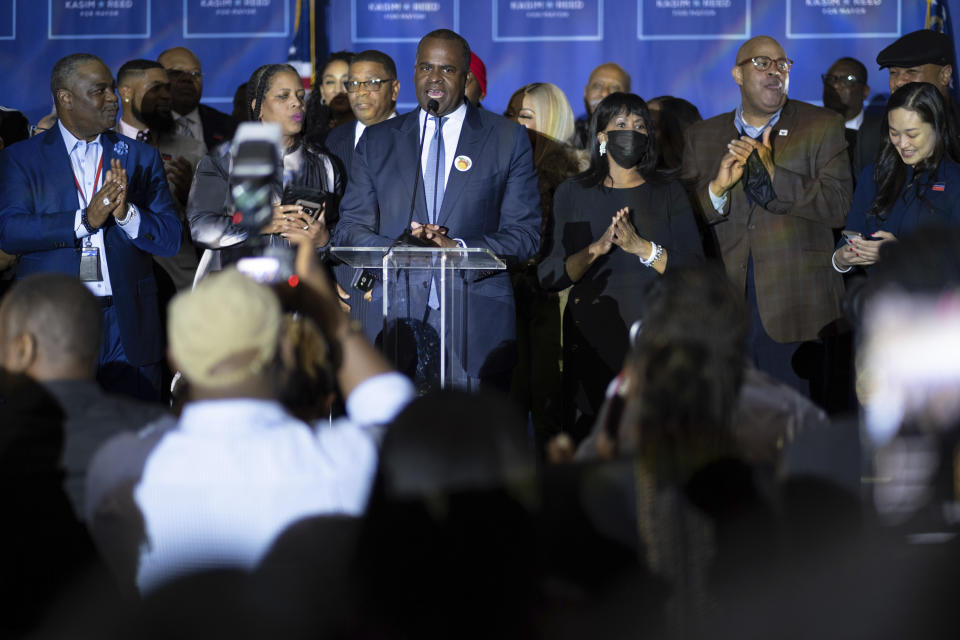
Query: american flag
{"x": 938, "y": 18}
{"x": 309, "y": 40}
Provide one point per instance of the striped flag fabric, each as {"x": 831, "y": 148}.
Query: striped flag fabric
{"x": 309, "y": 44}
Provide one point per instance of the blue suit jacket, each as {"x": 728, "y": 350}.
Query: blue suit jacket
{"x": 495, "y": 204}
{"x": 340, "y": 143}
{"x": 38, "y": 204}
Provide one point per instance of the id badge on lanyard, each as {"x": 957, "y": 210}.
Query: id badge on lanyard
{"x": 90, "y": 270}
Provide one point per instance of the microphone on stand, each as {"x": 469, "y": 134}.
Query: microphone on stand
{"x": 366, "y": 279}
{"x": 407, "y": 239}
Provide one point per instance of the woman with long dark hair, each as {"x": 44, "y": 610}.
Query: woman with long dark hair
{"x": 911, "y": 184}
{"x": 617, "y": 226}
{"x": 307, "y": 172}
{"x": 328, "y": 105}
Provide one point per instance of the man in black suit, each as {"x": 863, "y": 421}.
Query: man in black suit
{"x": 845, "y": 89}
{"x": 50, "y": 333}
{"x": 194, "y": 120}
{"x": 372, "y": 89}
{"x": 920, "y": 56}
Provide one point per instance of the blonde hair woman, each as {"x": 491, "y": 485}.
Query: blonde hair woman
{"x": 544, "y": 110}
{"x": 543, "y": 107}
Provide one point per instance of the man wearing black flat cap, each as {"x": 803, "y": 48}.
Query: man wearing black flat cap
{"x": 920, "y": 56}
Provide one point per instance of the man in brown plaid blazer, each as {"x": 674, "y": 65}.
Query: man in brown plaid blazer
{"x": 772, "y": 178}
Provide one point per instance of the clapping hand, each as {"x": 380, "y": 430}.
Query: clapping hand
{"x": 625, "y": 235}
{"x": 179, "y": 174}
{"x": 602, "y": 245}
{"x": 111, "y": 198}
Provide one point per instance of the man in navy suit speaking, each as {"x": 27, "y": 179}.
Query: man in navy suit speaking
{"x": 478, "y": 188}
{"x": 85, "y": 201}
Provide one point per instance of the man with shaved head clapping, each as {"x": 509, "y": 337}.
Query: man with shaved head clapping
{"x": 772, "y": 179}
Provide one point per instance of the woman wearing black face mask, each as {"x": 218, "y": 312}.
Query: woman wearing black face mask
{"x": 617, "y": 226}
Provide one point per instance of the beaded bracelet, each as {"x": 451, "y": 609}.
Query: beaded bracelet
{"x": 86, "y": 222}
{"x": 655, "y": 255}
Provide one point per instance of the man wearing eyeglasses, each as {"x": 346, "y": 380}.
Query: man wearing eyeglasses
{"x": 194, "y": 120}
{"x": 372, "y": 89}
{"x": 772, "y": 178}
{"x": 845, "y": 89}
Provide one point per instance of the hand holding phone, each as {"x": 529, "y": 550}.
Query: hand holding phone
{"x": 850, "y": 235}
{"x": 312, "y": 209}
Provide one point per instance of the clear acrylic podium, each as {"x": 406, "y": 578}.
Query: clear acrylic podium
{"x": 424, "y": 303}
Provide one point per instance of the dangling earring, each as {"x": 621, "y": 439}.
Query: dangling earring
{"x": 603, "y": 147}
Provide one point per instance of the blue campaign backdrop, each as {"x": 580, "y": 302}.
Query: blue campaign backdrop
{"x": 678, "y": 47}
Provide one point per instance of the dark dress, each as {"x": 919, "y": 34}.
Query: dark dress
{"x": 609, "y": 297}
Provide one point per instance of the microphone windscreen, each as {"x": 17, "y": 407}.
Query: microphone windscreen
{"x": 433, "y": 106}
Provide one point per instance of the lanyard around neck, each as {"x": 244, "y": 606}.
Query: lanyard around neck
{"x": 96, "y": 179}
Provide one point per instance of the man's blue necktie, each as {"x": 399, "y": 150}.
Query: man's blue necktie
{"x": 433, "y": 179}
{"x": 434, "y": 172}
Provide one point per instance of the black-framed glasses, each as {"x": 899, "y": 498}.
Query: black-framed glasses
{"x": 174, "y": 74}
{"x": 848, "y": 79}
{"x": 371, "y": 85}
{"x": 762, "y": 63}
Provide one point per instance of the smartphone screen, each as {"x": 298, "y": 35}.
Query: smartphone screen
{"x": 312, "y": 209}
{"x": 263, "y": 269}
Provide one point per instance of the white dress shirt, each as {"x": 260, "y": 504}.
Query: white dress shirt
{"x": 129, "y": 130}
{"x": 217, "y": 490}
{"x": 358, "y": 129}
{"x": 451, "y": 137}
{"x": 190, "y": 122}
{"x": 855, "y": 122}
{"x": 452, "y": 127}
{"x": 85, "y": 172}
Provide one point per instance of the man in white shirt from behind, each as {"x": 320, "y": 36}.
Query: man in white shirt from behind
{"x": 238, "y": 469}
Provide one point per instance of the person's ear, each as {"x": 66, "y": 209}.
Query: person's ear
{"x": 866, "y": 92}
{"x": 253, "y": 108}
{"x": 737, "y": 73}
{"x": 21, "y": 353}
{"x": 65, "y": 98}
{"x": 126, "y": 94}
{"x": 946, "y": 72}
{"x": 396, "y": 90}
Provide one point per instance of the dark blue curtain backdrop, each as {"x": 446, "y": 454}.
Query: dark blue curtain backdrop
{"x": 680, "y": 47}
